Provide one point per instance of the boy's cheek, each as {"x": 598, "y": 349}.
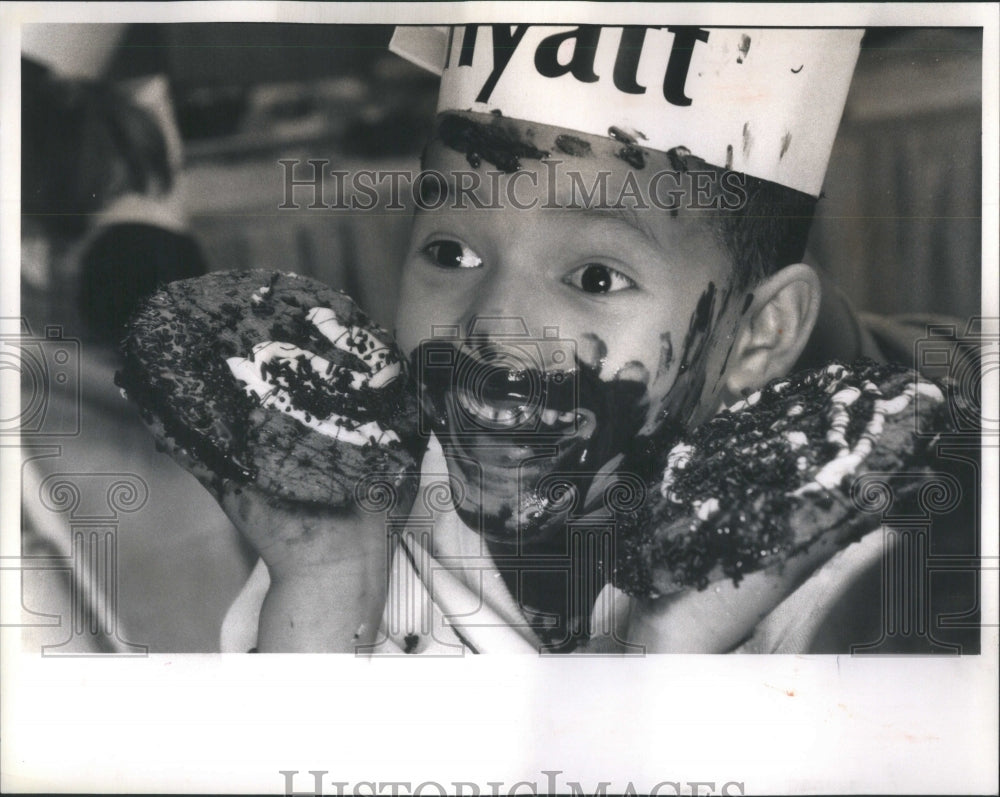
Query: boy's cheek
{"x": 419, "y": 311}
{"x": 688, "y": 372}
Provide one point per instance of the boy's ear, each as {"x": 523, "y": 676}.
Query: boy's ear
{"x": 774, "y": 330}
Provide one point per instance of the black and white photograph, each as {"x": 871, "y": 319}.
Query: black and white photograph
{"x": 461, "y": 398}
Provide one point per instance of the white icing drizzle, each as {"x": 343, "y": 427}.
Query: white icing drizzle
{"x": 677, "y": 459}
{"x": 378, "y": 358}
{"x": 705, "y": 509}
{"x": 839, "y": 417}
{"x": 847, "y": 396}
{"x": 269, "y": 350}
{"x": 274, "y": 395}
{"x": 847, "y": 461}
{"x": 358, "y": 342}
{"x": 796, "y": 439}
{"x": 930, "y": 390}
{"x": 898, "y": 404}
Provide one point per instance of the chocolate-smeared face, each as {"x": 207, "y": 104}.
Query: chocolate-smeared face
{"x": 552, "y": 336}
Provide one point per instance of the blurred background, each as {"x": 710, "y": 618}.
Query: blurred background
{"x": 900, "y": 225}
{"x": 898, "y": 230}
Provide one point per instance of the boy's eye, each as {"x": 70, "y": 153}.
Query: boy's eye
{"x": 452, "y": 254}
{"x": 595, "y": 278}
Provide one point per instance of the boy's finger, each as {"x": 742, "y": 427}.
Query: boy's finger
{"x": 376, "y": 355}
{"x": 720, "y": 617}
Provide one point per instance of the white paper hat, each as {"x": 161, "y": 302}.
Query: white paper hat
{"x": 766, "y": 102}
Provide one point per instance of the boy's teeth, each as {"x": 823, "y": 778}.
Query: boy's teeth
{"x": 511, "y": 416}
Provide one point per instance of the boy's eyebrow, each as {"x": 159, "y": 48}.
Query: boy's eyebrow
{"x": 440, "y": 190}
{"x": 623, "y": 213}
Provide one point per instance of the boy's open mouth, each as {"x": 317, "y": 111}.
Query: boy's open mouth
{"x": 512, "y": 412}
{"x": 480, "y": 403}
{"x": 511, "y": 435}
{"x": 516, "y": 437}
{"x": 493, "y": 401}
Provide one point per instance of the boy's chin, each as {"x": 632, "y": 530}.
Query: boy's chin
{"x": 504, "y": 522}
{"x": 529, "y": 504}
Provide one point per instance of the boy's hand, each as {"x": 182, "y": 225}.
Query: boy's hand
{"x": 294, "y": 538}
{"x": 720, "y": 617}
{"x": 328, "y": 565}
{"x": 328, "y": 570}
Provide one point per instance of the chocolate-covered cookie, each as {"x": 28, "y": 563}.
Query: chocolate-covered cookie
{"x": 273, "y": 380}
{"x": 775, "y": 473}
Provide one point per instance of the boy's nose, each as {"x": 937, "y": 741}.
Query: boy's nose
{"x": 483, "y": 327}
{"x": 508, "y": 304}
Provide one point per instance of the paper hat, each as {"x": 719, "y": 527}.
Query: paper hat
{"x": 766, "y": 102}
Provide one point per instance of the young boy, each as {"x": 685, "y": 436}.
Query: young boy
{"x": 606, "y": 252}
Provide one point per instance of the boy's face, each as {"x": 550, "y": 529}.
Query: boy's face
{"x": 552, "y": 339}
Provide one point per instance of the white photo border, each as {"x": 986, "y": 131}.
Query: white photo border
{"x": 231, "y": 724}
